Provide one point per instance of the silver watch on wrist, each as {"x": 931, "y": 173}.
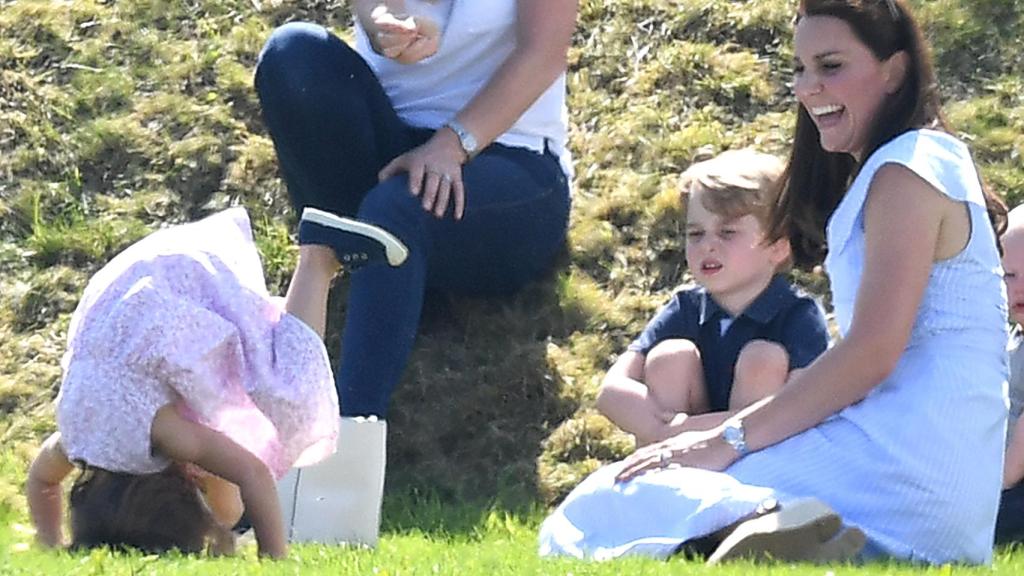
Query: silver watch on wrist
{"x": 735, "y": 436}
{"x": 466, "y": 138}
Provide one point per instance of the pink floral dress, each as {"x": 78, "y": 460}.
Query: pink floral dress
{"x": 183, "y": 316}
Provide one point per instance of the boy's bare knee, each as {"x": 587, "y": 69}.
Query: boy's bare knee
{"x": 676, "y": 355}
{"x": 762, "y": 358}
{"x": 761, "y": 370}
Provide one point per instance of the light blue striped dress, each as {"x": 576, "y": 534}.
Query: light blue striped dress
{"x": 917, "y": 464}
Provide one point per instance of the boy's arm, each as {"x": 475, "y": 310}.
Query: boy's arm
{"x": 187, "y": 441}
{"x": 43, "y": 491}
{"x": 1013, "y": 471}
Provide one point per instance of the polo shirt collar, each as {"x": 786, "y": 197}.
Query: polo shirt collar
{"x": 763, "y": 309}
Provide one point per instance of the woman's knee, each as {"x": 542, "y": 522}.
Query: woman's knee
{"x": 390, "y": 205}
{"x": 297, "y": 58}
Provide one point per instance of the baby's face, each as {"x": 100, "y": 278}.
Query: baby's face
{"x": 1013, "y": 272}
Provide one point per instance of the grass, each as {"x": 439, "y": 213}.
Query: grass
{"x": 120, "y": 117}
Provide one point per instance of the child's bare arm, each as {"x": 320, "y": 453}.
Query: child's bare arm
{"x": 183, "y": 440}
{"x": 43, "y": 491}
{"x": 1013, "y": 471}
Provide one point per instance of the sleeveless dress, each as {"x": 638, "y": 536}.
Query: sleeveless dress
{"x": 183, "y": 316}
{"x": 916, "y": 465}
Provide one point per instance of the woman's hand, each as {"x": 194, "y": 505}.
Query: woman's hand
{"x": 404, "y": 39}
{"x": 435, "y": 173}
{"x": 697, "y": 449}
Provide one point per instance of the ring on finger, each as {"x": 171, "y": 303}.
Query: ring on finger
{"x": 446, "y": 177}
{"x": 664, "y": 457}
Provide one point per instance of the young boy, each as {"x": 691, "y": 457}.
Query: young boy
{"x": 1010, "y": 522}
{"x": 733, "y": 339}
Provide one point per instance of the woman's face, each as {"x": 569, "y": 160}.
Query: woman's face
{"x": 840, "y": 82}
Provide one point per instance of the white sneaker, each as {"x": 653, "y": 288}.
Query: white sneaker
{"x": 355, "y": 243}
{"x": 338, "y": 500}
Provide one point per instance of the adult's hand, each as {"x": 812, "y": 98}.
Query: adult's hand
{"x": 696, "y": 449}
{"x": 435, "y": 173}
{"x": 405, "y": 39}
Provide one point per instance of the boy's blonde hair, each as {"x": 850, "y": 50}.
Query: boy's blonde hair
{"x": 735, "y": 183}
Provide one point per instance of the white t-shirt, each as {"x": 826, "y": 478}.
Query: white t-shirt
{"x": 477, "y": 37}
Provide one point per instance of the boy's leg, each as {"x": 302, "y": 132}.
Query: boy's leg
{"x": 674, "y": 385}
{"x": 761, "y": 370}
{"x": 675, "y": 376}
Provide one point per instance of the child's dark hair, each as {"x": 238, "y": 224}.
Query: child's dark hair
{"x": 150, "y": 512}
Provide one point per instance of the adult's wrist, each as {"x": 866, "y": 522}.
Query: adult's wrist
{"x": 734, "y": 435}
{"x": 450, "y": 140}
{"x": 466, "y": 139}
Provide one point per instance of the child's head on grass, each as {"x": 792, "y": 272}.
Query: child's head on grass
{"x": 149, "y": 512}
{"x": 728, "y": 201}
{"x": 1013, "y": 263}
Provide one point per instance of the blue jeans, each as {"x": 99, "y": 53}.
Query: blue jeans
{"x": 334, "y": 128}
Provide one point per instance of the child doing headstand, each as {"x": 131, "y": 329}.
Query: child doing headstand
{"x": 186, "y": 391}
{"x": 732, "y": 339}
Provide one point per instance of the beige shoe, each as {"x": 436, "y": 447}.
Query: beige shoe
{"x": 337, "y": 501}
{"x": 802, "y": 531}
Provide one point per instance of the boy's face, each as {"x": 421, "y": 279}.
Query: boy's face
{"x": 1013, "y": 272}
{"x": 729, "y": 257}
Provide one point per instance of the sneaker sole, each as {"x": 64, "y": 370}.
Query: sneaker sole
{"x": 394, "y": 248}
{"x": 802, "y": 531}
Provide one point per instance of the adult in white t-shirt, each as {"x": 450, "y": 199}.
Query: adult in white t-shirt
{"x": 445, "y": 126}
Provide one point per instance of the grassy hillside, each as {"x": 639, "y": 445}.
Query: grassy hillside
{"x": 119, "y": 117}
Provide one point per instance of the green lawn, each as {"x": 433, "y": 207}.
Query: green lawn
{"x": 498, "y": 544}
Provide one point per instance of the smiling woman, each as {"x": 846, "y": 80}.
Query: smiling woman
{"x": 897, "y": 430}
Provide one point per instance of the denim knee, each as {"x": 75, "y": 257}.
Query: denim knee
{"x": 300, "y": 61}
{"x": 391, "y": 206}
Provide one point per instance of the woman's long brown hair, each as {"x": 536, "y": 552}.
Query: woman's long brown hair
{"x": 815, "y": 180}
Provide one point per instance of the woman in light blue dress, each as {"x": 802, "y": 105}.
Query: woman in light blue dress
{"x": 895, "y": 433}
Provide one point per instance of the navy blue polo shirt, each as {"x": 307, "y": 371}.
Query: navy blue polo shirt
{"x": 779, "y": 314}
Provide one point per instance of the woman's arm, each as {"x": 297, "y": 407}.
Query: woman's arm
{"x": 543, "y": 35}
{"x": 43, "y": 491}
{"x": 903, "y": 219}
{"x": 185, "y": 441}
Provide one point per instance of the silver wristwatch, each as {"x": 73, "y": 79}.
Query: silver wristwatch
{"x": 735, "y": 436}
{"x": 466, "y": 138}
